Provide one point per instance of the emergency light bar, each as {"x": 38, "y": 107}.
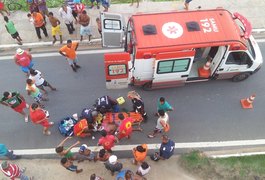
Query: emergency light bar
{"x": 247, "y": 25}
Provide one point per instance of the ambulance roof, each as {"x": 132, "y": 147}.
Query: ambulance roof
{"x": 187, "y": 29}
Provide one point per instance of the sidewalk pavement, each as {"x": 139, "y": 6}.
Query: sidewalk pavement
{"x": 50, "y": 169}
{"x": 252, "y": 9}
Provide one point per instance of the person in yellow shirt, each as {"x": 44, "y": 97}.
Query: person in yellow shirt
{"x": 69, "y": 51}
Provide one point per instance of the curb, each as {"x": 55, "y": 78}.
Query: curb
{"x": 260, "y": 32}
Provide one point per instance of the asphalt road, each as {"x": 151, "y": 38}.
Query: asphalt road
{"x": 206, "y": 111}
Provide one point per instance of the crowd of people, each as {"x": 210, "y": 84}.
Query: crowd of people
{"x": 72, "y": 13}
{"x": 91, "y": 119}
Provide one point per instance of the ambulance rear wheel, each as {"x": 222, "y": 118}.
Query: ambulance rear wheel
{"x": 147, "y": 86}
{"x": 240, "y": 77}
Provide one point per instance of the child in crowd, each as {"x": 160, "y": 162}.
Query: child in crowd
{"x": 70, "y": 166}
{"x": 66, "y": 152}
{"x": 10, "y": 27}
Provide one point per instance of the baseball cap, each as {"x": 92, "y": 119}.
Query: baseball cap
{"x": 83, "y": 147}
{"x": 4, "y": 165}
{"x": 113, "y": 159}
{"x": 20, "y": 51}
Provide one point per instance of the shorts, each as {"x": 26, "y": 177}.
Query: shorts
{"x": 85, "y": 30}
{"x": 45, "y": 83}
{"x": 20, "y": 107}
{"x": 38, "y": 97}
{"x": 26, "y": 68}
{"x": 188, "y": 1}
{"x": 72, "y": 61}
{"x": 14, "y": 36}
{"x": 72, "y": 168}
{"x": 158, "y": 130}
{"x": 45, "y": 123}
{"x": 56, "y": 30}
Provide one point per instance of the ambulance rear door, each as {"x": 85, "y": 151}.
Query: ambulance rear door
{"x": 172, "y": 69}
{"x": 112, "y": 29}
{"x": 117, "y": 70}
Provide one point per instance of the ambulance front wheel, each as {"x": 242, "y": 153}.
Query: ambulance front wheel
{"x": 240, "y": 77}
{"x": 147, "y": 86}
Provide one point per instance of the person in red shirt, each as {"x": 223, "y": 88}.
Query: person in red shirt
{"x": 107, "y": 141}
{"x": 24, "y": 60}
{"x": 40, "y": 116}
{"x": 125, "y": 129}
{"x": 79, "y": 8}
{"x": 13, "y": 171}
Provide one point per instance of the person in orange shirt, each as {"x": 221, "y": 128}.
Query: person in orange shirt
{"x": 69, "y": 51}
{"x": 39, "y": 23}
{"x": 139, "y": 153}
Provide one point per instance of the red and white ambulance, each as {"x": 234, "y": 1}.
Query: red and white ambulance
{"x": 170, "y": 49}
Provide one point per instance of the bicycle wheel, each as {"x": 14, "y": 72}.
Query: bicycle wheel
{"x": 14, "y": 6}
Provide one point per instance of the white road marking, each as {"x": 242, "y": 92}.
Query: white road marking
{"x": 190, "y": 145}
{"x": 53, "y": 54}
{"x": 260, "y": 40}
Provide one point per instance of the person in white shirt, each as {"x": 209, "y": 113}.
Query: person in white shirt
{"x": 66, "y": 14}
{"x": 162, "y": 121}
{"x": 40, "y": 82}
{"x": 143, "y": 169}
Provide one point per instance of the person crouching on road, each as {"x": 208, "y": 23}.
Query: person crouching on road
{"x": 69, "y": 51}
{"x": 161, "y": 123}
{"x": 24, "y": 60}
{"x": 40, "y": 116}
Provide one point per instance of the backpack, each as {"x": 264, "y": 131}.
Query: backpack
{"x": 66, "y": 126}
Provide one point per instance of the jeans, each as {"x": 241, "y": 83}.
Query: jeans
{"x": 70, "y": 27}
{"x": 23, "y": 176}
{"x": 44, "y": 30}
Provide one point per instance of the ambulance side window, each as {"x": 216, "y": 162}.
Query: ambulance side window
{"x": 172, "y": 66}
{"x": 239, "y": 58}
{"x": 117, "y": 69}
{"x": 112, "y": 24}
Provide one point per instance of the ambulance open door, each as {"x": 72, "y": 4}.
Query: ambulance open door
{"x": 117, "y": 70}
{"x": 112, "y": 29}
{"x": 172, "y": 69}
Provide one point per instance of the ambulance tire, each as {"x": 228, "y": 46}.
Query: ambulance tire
{"x": 147, "y": 86}
{"x": 240, "y": 77}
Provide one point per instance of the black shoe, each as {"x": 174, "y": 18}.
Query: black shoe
{"x": 74, "y": 69}
{"x": 77, "y": 66}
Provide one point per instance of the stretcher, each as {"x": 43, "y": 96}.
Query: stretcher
{"x": 110, "y": 117}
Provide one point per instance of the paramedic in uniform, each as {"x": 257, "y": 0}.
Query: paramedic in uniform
{"x": 107, "y": 104}
{"x": 138, "y": 104}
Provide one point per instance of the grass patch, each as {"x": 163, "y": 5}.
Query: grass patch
{"x": 248, "y": 167}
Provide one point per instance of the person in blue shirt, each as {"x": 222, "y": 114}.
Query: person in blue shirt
{"x": 162, "y": 104}
{"x": 167, "y": 148}
{"x": 8, "y": 153}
